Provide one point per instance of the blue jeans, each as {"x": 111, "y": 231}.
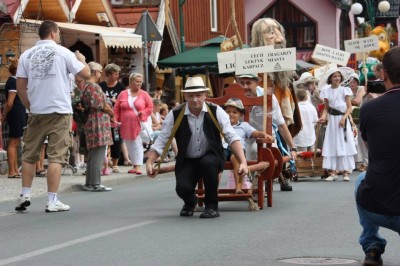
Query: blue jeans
{"x": 370, "y": 222}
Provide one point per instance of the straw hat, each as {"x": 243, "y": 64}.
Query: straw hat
{"x": 306, "y": 77}
{"x": 235, "y": 102}
{"x": 195, "y": 84}
{"x": 354, "y": 76}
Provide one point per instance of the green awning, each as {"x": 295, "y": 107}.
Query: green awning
{"x": 197, "y": 57}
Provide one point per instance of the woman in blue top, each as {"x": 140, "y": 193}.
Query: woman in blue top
{"x": 15, "y": 115}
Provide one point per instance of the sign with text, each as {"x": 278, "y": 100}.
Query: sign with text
{"x": 331, "y": 55}
{"x": 362, "y": 45}
{"x": 227, "y": 60}
{"x": 265, "y": 61}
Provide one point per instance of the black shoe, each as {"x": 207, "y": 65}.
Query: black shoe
{"x": 373, "y": 258}
{"x": 209, "y": 213}
{"x": 187, "y": 210}
{"x": 286, "y": 187}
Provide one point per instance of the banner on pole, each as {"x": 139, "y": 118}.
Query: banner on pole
{"x": 362, "y": 45}
{"x": 331, "y": 55}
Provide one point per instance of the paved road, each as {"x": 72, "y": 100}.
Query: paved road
{"x": 138, "y": 224}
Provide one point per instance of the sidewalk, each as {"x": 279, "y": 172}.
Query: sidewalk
{"x": 10, "y": 188}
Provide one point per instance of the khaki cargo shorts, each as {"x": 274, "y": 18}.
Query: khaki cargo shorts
{"x": 57, "y": 127}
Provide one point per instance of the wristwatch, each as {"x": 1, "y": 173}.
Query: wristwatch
{"x": 293, "y": 149}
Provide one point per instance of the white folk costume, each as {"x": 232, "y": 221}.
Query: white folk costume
{"x": 339, "y": 146}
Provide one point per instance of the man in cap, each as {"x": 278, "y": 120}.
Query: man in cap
{"x": 250, "y": 84}
{"x": 200, "y": 151}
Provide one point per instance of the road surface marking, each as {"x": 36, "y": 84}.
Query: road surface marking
{"x": 72, "y": 243}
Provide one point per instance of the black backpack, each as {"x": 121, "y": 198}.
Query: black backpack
{"x": 80, "y": 111}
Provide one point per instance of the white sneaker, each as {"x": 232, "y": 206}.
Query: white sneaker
{"x": 23, "y": 202}
{"x": 101, "y": 188}
{"x": 346, "y": 178}
{"x": 331, "y": 178}
{"x": 57, "y": 206}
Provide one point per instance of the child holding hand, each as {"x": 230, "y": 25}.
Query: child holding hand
{"x": 235, "y": 109}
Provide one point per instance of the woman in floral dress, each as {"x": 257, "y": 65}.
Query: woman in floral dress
{"x": 97, "y": 128}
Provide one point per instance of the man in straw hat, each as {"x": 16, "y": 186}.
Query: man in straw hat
{"x": 378, "y": 189}
{"x": 200, "y": 151}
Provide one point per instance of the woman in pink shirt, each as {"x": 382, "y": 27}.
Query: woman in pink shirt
{"x": 132, "y": 109}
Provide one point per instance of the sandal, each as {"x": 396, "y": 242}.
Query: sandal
{"x": 41, "y": 173}
{"x": 115, "y": 169}
{"x": 132, "y": 171}
{"x": 127, "y": 163}
{"x": 15, "y": 176}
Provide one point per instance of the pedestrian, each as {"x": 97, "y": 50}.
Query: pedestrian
{"x": 356, "y": 101}
{"x": 158, "y": 93}
{"x": 97, "y": 129}
{"x": 308, "y": 82}
{"x": 201, "y": 154}
{"x": 235, "y": 109}
{"x": 378, "y": 189}
{"x": 305, "y": 140}
{"x": 44, "y": 88}
{"x": 132, "y": 109}
{"x": 15, "y": 115}
{"x": 112, "y": 88}
{"x": 339, "y": 145}
{"x": 251, "y": 89}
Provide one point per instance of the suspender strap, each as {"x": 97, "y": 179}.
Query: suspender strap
{"x": 214, "y": 119}
{"x": 173, "y": 132}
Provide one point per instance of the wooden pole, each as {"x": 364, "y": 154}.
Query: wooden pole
{"x": 265, "y": 103}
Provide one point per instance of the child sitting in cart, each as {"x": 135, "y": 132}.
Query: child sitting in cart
{"x": 305, "y": 139}
{"x": 235, "y": 109}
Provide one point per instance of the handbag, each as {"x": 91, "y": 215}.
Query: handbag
{"x": 146, "y": 130}
{"x": 80, "y": 112}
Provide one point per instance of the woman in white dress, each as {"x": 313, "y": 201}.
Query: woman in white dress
{"x": 339, "y": 145}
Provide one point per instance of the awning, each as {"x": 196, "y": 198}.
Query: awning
{"x": 112, "y": 37}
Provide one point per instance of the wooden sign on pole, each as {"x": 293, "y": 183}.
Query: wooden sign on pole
{"x": 331, "y": 55}
{"x": 268, "y": 61}
{"x": 227, "y": 60}
{"x": 362, "y": 44}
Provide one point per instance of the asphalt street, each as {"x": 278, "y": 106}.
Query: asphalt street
{"x": 138, "y": 223}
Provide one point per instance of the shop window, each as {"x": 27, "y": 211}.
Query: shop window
{"x": 299, "y": 28}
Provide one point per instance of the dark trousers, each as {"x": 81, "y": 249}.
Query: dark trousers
{"x": 206, "y": 167}
{"x": 116, "y": 147}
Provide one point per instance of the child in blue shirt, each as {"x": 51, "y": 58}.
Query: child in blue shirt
{"x": 235, "y": 109}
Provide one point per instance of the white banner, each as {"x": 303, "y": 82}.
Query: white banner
{"x": 331, "y": 55}
{"x": 227, "y": 60}
{"x": 362, "y": 45}
{"x": 265, "y": 61}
